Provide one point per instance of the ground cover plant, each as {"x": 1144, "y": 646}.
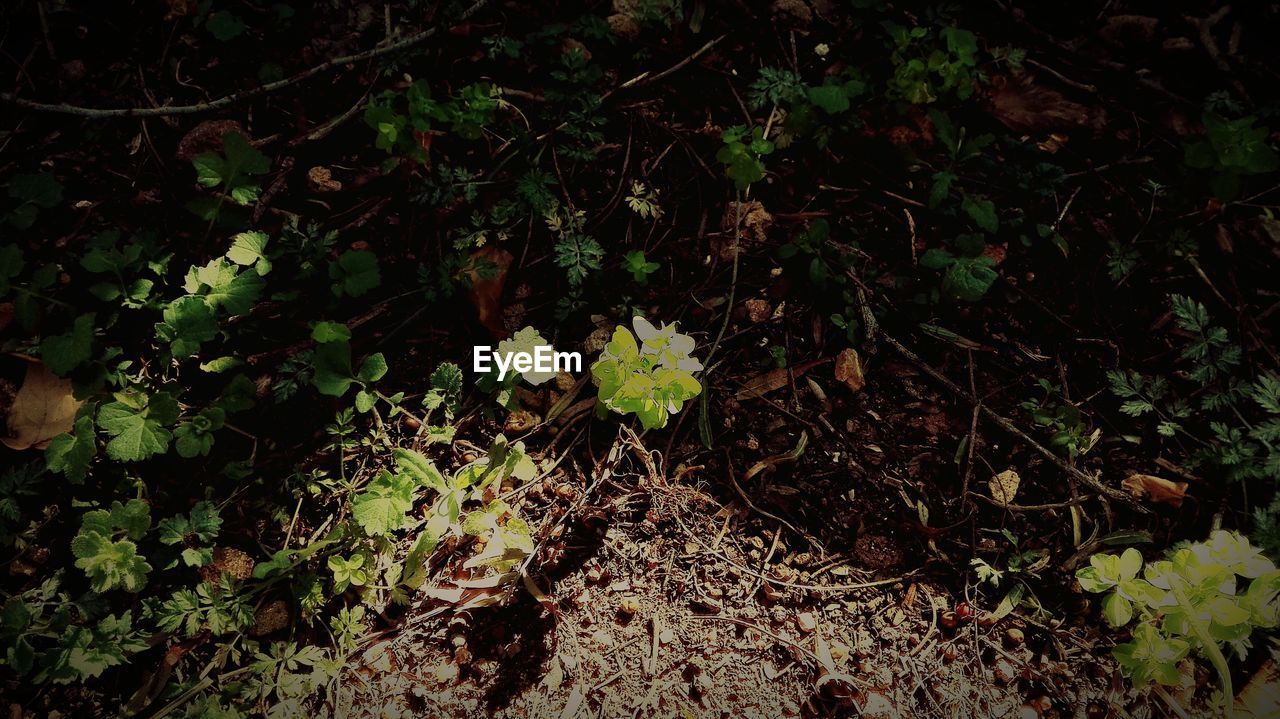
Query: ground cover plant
{"x": 928, "y": 350}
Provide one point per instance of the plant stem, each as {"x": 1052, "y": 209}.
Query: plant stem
{"x": 1211, "y": 648}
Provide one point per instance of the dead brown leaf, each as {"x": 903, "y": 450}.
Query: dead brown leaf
{"x": 1157, "y": 489}
{"x": 1004, "y": 486}
{"x": 486, "y": 291}
{"x": 754, "y": 221}
{"x": 43, "y": 409}
{"x": 758, "y": 310}
{"x": 849, "y": 369}
{"x": 767, "y": 382}
{"x": 1024, "y": 106}
{"x": 321, "y": 179}
{"x": 206, "y": 137}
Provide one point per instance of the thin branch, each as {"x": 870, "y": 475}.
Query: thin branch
{"x": 235, "y": 97}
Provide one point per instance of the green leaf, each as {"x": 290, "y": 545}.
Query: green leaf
{"x": 448, "y": 379}
{"x": 137, "y": 425}
{"x": 11, "y": 264}
{"x": 332, "y": 363}
{"x": 365, "y": 401}
{"x": 831, "y": 98}
{"x": 63, "y": 353}
{"x": 968, "y": 278}
{"x": 419, "y": 468}
{"x": 224, "y": 286}
{"x": 194, "y": 438}
{"x": 248, "y": 249}
{"x": 201, "y": 525}
{"x": 981, "y": 210}
{"x": 33, "y": 192}
{"x": 188, "y": 322}
{"x": 1129, "y": 565}
{"x": 225, "y": 25}
{"x": 330, "y": 332}
{"x": 640, "y": 269}
{"x": 1117, "y": 610}
{"x": 937, "y": 259}
{"x": 354, "y": 273}
{"x": 348, "y": 572}
{"x": 381, "y": 508}
{"x": 231, "y": 172}
{"x": 110, "y": 564}
{"x": 373, "y": 368}
{"x": 415, "y": 562}
{"x": 220, "y": 364}
{"x": 70, "y": 453}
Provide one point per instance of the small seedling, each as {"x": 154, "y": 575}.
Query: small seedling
{"x": 640, "y": 269}
{"x": 742, "y": 154}
{"x": 651, "y": 378}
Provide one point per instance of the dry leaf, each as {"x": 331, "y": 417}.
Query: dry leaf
{"x": 206, "y": 137}
{"x": 849, "y": 370}
{"x": 321, "y": 179}
{"x": 763, "y": 384}
{"x": 758, "y": 310}
{"x": 486, "y": 292}
{"x": 1157, "y": 489}
{"x": 754, "y": 221}
{"x": 1259, "y": 697}
{"x": 1004, "y": 486}
{"x": 520, "y": 421}
{"x": 43, "y": 409}
{"x": 1023, "y": 106}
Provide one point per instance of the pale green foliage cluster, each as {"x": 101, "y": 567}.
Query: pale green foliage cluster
{"x": 652, "y": 378}
{"x": 1194, "y": 600}
{"x": 459, "y": 505}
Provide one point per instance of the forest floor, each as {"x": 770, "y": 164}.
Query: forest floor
{"x": 909, "y": 435}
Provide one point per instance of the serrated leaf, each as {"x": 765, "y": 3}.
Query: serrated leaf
{"x": 419, "y": 468}
{"x": 354, "y": 273}
{"x": 71, "y": 453}
{"x": 248, "y": 249}
{"x": 831, "y": 98}
{"x": 138, "y": 428}
{"x": 110, "y": 564}
{"x": 63, "y": 353}
{"x": 330, "y": 332}
{"x": 188, "y": 322}
{"x": 969, "y": 278}
{"x": 447, "y": 378}
{"x": 224, "y": 286}
{"x": 373, "y": 368}
{"x": 982, "y": 211}
{"x": 381, "y": 508}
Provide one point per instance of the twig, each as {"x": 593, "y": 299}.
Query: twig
{"x": 1063, "y": 78}
{"x": 235, "y": 97}
{"x": 776, "y": 518}
{"x": 645, "y": 78}
{"x": 756, "y": 627}
{"x": 1006, "y": 425}
{"x": 1013, "y": 429}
